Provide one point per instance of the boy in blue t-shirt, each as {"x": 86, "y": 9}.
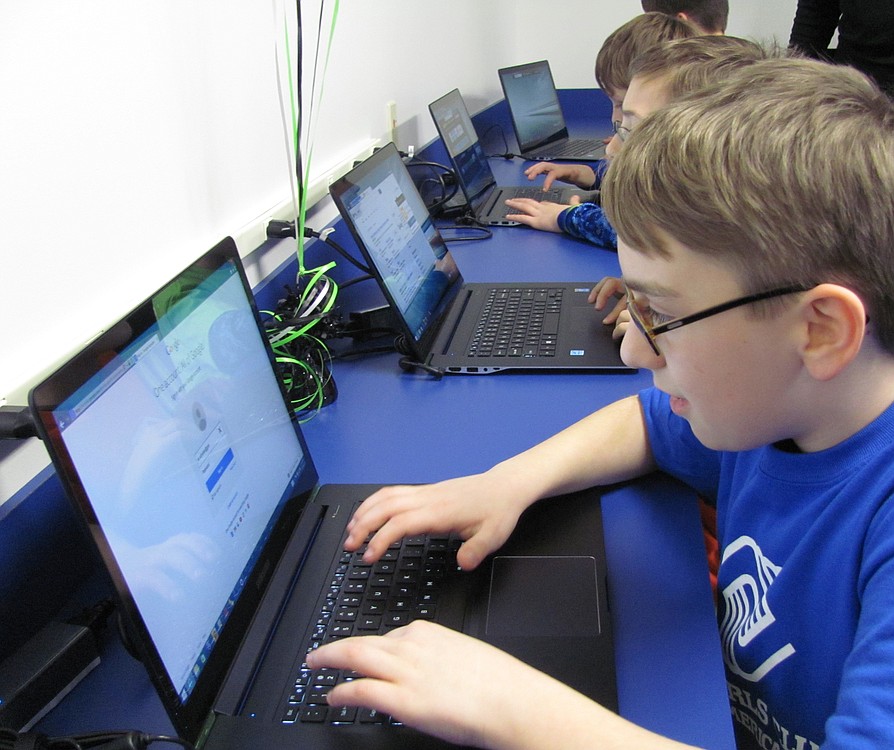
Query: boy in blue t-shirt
{"x": 756, "y": 241}
{"x": 587, "y": 220}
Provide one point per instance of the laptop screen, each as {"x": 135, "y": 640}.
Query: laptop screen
{"x": 395, "y": 231}
{"x": 181, "y": 439}
{"x": 461, "y": 141}
{"x": 533, "y": 103}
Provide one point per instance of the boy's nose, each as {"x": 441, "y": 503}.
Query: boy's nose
{"x": 613, "y": 146}
{"x": 636, "y": 352}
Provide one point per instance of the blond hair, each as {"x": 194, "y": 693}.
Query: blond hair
{"x": 783, "y": 171}
{"x": 685, "y": 65}
{"x": 629, "y": 41}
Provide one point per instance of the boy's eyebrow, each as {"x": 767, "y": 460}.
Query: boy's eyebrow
{"x": 650, "y": 288}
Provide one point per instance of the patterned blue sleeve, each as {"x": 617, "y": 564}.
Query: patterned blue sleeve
{"x": 587, "y": 222}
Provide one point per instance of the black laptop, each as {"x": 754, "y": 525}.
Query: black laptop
{"x": 447, "y": 324}
{"x": 172, "y": 436}
{"x": 485, "y": 198}
{"x": 537, "y": 117}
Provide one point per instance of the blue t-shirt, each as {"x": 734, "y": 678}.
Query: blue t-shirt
{"x": 806, "y": 581}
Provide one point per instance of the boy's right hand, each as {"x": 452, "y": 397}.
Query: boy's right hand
{"x": 608, "y": 288}
{"x": 478, "y": 508}
{"x": 576, "y": 174}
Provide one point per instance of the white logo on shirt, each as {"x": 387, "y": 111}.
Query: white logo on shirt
{"x": 746, "y": 612}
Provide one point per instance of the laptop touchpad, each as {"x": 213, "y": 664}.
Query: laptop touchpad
{"x": 543, "y": 596}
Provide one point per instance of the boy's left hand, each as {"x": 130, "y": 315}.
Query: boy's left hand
{"x": 538, "y": 214}
{"x": 440, "y": 682}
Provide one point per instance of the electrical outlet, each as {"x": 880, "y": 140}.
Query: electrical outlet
{"x": 391, "y": 120}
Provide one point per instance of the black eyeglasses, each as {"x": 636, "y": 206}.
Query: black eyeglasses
{"x": 622, "y": 131}
{"x": 643, "y": 319}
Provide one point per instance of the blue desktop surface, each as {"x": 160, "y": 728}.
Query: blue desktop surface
{"x": 388, "y": 426}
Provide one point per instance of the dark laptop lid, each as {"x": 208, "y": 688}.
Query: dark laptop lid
{"x": 533, "y": 104}
{"x": 395, "y": 232}
{"x": 454, "y": 125}
{"x": 171, "y": 434}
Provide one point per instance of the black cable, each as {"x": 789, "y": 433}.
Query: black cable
{"x": 409, "y": 365}
{"x": 357, "y": 280}
{"x": 486, "y": 233}
{"x": 324, "y": 237}
{"x": 506, "y": 153}
{"x": 447, "y": 191}
{"x": 282, "y": 228}
{"x": 132, "y": 740}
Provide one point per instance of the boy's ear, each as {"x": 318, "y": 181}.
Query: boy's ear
{"x": 835, "y": 325}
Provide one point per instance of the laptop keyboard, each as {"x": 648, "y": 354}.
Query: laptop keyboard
{"x": 537, "y": 193}
{"x": 370, "y": 599}
{"x": 577, "y": 148}
{"x": 499, "y": 209}
{"x": 518, "y": 323}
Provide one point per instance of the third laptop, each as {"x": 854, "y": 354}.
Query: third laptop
{"x": 484, "y": 196}
{"x": 450, "y": 325}
{"x": 537, "y": 116}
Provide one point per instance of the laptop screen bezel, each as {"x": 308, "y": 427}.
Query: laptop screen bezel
{"x": 187, "y": 716}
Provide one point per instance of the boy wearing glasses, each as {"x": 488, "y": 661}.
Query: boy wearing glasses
{"x": 757, "y": 243}
{"x": 621, "y": 47}
{"x": 660, "y": 74}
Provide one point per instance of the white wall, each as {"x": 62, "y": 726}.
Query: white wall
{"x": 134, "y": 135}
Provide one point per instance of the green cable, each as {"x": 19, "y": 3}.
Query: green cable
{"x": 299, "y": 337}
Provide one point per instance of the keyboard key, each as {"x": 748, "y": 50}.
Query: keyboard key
{"x": 315, "y": 714}
{"x": 342, "y": 715}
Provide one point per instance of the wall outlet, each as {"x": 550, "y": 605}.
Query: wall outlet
{"x": 391, "y": 121}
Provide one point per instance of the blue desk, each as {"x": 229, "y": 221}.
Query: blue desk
{"x": 387, "y": 426}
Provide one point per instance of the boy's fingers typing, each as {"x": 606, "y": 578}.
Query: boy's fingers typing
{"x": 423, "y": 674}
{"x": 454, "y": 506}
{"x": 605, "y": 289}
{"x": 537, "y": 214}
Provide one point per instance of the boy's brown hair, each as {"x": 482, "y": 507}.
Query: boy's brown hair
{"x": 686, "y": 65}
{"x": 783, "y": 171}
{"x": 629, "y": 41}
{"x": 711, "y": 15}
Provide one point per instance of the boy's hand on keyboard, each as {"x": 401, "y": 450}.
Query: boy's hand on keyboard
{"x": 435, "y": 680}
{"x": 542, "y": 215}
{"x": 477, "y": 508}
{"x": 467, "y": 692}
{"x": 575, "y": 174}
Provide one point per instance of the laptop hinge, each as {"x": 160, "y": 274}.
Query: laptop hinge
{"x": 250, "y": 657}
{"x": 206, "y": 730}
{"x": 456, "y": 315}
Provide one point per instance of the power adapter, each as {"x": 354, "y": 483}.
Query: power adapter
{"x": 43, "y": 671}
{"x": 373, "y": 322}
